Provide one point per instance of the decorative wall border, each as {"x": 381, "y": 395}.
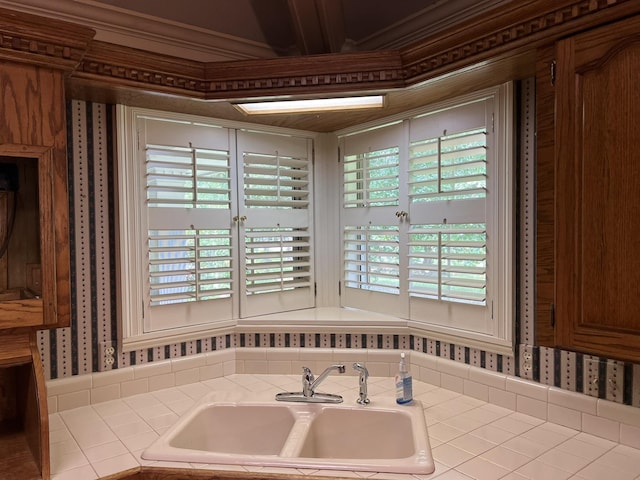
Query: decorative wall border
{"x": 74, "y": 351}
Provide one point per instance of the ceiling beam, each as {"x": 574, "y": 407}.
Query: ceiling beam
{"x": 332, "y": 22}
{"x": 318, "y": 25}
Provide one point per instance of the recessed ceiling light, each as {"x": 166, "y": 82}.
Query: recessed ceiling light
{"x": 312, "y": 105}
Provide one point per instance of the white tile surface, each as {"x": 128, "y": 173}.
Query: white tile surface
{"x": 470, "y": 439}
{"x": 601, "y": 427}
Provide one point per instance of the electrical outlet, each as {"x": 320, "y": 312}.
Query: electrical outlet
{"x": 526, "y": 364}
{"x": 603, "y": 378}
{"x": 106, "y": 353}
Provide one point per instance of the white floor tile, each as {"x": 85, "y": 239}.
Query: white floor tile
{"x": 481, "y": 469}
{"x": 582, "y": 449}
{"x": 450, "y": 455}
{"x": 85, "y": 472}
{"x": 453, "y": 475}
{"x": 444, "y": 432}
{"x": 526, "y": 447}
{"x": 472, "y": 444}
{"x": 601, "y": 471}
{"x": 115, "y": 464}
{"x": 621, "y": 459}
{"x": 564, "y": 460}
{"x": 103, "y": 452}
{"x": 505, "y": 458}
{"x": 537, "y": 470}
{"x": 68, "y": 461}
{"x": 493, "y": 434}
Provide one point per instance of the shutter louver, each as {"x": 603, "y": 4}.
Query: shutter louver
{"x": 450, "y": 167}
{"x": 448, "y": 262}
{"x": 275, "y": 181}
{"x": 371, "y": 179}
{"x": 372, "y": 258}
{"x": 189, "y": 265}
{"x": 187, "y": 177}
{"x": 277, "y": 259}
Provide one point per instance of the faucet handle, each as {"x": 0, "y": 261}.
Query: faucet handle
{"x": 307, "y": 374}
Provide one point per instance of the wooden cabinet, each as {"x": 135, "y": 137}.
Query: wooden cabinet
{"x": 34, "y": 257}
{"x": 28, "y": 216}
{"x": 596, "y": 225}
{"x": 34, "y": 226}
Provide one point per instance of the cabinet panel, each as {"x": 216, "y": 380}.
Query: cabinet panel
{"x": 33, "y": 138}
{"x": 598, "y": 191}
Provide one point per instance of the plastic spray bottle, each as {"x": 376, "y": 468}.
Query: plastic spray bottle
{"x": 404, "y": 387}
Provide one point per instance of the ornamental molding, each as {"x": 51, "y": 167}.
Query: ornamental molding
{"x": 418, "y": 61}
{"x": 224, "y": 80}
{"x": 32, "y": 39}
{"x": 519, "y": 26}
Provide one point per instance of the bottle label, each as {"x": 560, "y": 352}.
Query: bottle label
{"x": 404, "y": 390}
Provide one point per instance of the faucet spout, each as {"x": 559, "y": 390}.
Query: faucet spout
{"x": 363, "y": 398}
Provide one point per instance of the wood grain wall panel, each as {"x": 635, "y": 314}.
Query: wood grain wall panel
{"x": 545, "y": 198}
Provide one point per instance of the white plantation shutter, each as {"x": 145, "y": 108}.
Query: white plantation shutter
{"x": 190, "y": 244}
{"x": 449, "y": 238}
{"x": 371, "y": 226}
{"x": 275, "y": 223}
{"x": 420, "y": 219}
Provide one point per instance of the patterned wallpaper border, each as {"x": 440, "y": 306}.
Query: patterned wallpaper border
{"x": 75, "y": 350}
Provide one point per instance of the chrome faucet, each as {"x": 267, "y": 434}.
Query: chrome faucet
{"x": 363, "y": 399}
{"x": 310, "y": 383}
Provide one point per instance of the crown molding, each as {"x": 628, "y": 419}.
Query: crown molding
{"x": 28, "y": 39}
{"x": 145, "y": 32}
{"x": 438, "y": 16}
{"x": 502, "y": 33}
{"x": 507, "y": 30}
{"x": 312, "y": 74}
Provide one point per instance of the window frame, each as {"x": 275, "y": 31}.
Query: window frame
{"x": 132, "y": 266}
{"x": 499, "y": 332}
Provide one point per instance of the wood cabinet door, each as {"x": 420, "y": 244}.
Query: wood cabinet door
{"x": 597, "y": 218}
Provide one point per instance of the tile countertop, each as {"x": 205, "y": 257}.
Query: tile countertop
{"x": 470, "y": 439}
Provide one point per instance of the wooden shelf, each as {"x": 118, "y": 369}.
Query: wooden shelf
{"x": 24, "y": 420}
{"x": 17, "y": 459}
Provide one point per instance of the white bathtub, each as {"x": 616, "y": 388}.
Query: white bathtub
{"x": 379, "y": 437}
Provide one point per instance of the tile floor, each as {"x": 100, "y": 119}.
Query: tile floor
{"x": 470, "y": 439}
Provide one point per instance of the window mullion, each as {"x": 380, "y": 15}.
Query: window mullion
{"x": 439, "y": 250}
{"x": 439, "y": 190}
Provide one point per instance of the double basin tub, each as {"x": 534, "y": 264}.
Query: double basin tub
{"x": 379, "y": 437}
